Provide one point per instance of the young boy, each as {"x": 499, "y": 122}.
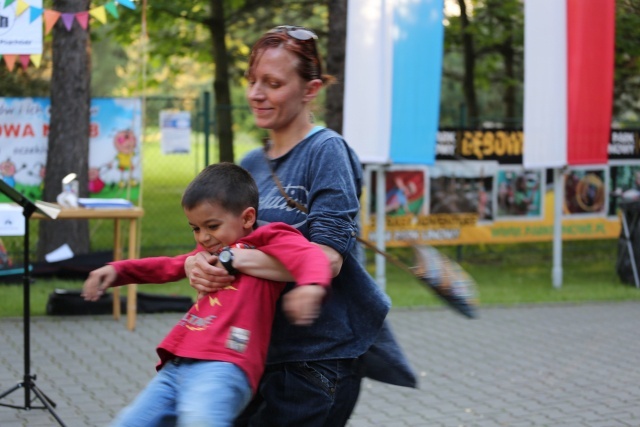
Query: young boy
{"x": 212, "y": 360}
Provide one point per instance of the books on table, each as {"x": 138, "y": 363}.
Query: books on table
{"x": 96, "y": 203}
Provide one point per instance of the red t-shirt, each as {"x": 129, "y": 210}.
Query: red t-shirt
{"x": 233, "y": 324}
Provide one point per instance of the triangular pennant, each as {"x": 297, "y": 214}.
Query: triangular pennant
{"x": 50, "y": 18}
{"x": 21, "y": 7}
{"x": 35, "y": 13}
{"x": 68, "y": 18}
{"x": 112, "y": 9}
{"x": 24, "y": 60}
{"x": 36, "y": 60}
{"x": 10, "y": 60}
{"x": 83, "y": 19}
{"x": 99, "y": 13}
{"x": 127, "y": 3}
{"x": 8, "y": 2}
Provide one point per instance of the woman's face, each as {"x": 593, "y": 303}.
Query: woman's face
{"x": 277, "y": 94}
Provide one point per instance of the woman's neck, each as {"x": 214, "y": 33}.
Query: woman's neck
{"x": 282, "y": 141}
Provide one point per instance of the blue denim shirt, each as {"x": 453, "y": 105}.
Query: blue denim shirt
{"x": 323, "y": 174}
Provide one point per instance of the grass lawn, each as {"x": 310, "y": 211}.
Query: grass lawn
{"x": 505, "y": 275}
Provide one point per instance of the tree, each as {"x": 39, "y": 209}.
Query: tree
{"x": 68, "y": 149}
{"x": 336, "y": 50}
{"x": 627, "y": 60}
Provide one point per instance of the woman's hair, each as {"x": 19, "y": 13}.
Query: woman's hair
{"x": 309, "y": 64}
{"x": 225, "y": 184}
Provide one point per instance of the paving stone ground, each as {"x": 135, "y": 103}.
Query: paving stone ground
{"x": 543, "y": 366}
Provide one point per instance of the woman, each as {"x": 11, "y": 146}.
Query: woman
{"x": 308, "y": 177}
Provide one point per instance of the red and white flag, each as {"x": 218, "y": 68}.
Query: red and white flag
{"x": 568, "y": 82}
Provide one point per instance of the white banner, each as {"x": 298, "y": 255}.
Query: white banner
{"x": 545, "y": 84}
{"x": 19, "y": 35}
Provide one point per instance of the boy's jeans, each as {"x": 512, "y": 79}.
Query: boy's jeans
{"x": 189, "y": 393}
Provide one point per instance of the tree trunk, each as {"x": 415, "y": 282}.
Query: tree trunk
{"x": 68, "y": 149}
{"x": 335, "y": 63}
{"x": 469, "y": 56}
{"x": 222, "y": 92}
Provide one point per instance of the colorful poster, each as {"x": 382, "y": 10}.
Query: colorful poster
{"x": 519, "y": 193}
{"x": 114, "y": 146}
{"x": 585, "y": 191}
{"x": 462, "y": 187}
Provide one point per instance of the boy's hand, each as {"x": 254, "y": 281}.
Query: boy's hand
{"x": 98, "y": 281}
{"x": 302, "y": 305}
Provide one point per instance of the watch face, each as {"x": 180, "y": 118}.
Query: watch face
{"x": 225, "y": 256}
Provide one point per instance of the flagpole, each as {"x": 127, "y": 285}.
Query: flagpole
{"x": 558, "y": 198}
{"x": 381, "y": 219}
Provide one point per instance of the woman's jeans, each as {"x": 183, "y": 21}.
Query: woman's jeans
{"x": 305, "y": 394}
{"x": 189, "y": 393}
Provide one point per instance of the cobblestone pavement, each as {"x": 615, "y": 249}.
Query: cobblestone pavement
{"x": 553, "y": 365}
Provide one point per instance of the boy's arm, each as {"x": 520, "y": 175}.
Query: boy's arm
{"x": 144, "y": 270}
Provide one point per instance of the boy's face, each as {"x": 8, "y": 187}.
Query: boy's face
{"x": 215, "y": 227}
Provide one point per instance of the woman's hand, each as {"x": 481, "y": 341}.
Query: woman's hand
{"x": 302, "y": 304}
{"x": 203, "y": 275}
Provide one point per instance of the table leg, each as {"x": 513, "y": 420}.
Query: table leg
{"x": 132, "y": 288}
{"x": 117, "y": 256}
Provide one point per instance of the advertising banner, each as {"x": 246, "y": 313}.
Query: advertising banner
{"x": 479, "y": 192}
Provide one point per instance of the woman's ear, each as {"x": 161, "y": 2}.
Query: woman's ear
{"x": 248, "y": 217}
{"x": 312, "y": 88}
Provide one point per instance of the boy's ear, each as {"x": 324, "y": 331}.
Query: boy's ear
{"x": 249, "y": 217}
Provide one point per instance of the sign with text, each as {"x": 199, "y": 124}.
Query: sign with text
{"x": 19, "y": 34}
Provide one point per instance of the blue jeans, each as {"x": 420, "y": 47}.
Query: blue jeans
{"x": 188, "y": 392}
{"x": 305, "y": 394}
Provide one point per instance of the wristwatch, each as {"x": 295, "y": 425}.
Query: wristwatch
{"x": 226, "y": 259}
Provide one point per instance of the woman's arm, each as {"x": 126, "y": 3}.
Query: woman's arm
{"x": 204, "y": 276}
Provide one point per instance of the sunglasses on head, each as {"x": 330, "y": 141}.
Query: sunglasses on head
{"x": 298, "y": 33}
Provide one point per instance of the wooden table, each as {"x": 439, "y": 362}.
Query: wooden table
{"x": 117, "y": 215}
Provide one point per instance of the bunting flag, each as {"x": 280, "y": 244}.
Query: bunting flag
{"x": 67, "y": 19}
{"x": 392, "y": 79}
{"x": 36, "y": 60}
{"x": 10, "y": 60}
{"x": 83, "y": 19}
{"x": 50, "y": 19}
{"x": 21, "y": 7}
{"x": 112, "y": 9}
{"x": 99, "y": 13}
{"x": 568, "y": 82}
{"x": 24, "y": 61}
{"x": 127, "y": 3}
{"x": 34, "y": 13}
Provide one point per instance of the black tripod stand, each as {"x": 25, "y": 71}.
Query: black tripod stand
{"x": 28, "y": 382}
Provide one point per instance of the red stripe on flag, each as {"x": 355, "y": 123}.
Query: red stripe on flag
{"x": 590, "y": 64}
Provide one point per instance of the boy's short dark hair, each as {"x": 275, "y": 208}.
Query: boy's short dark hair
{"x": 225, "y": 184}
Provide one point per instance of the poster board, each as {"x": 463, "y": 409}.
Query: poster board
{"x": 115, "y": 162}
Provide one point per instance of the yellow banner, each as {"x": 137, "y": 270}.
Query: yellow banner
{"x": 464, "y": 228}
